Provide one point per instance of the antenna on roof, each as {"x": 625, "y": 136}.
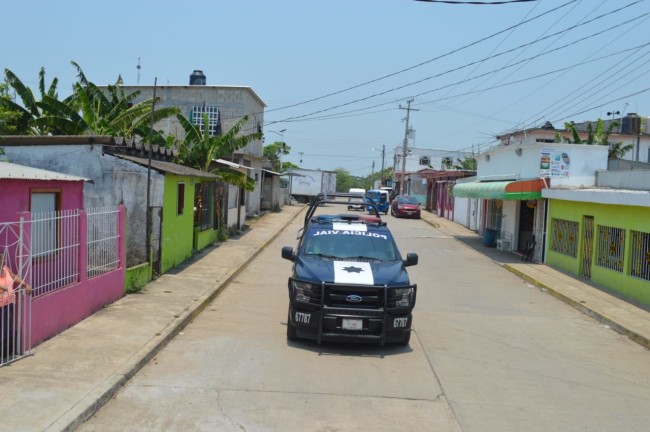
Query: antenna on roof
{"x": 138, "y": 67}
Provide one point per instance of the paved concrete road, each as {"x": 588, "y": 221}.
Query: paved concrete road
{"x": 232, "y": 369}
{"x": 491, "y": 353}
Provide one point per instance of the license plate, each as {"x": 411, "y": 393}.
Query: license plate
{"x": 352, "y": 324}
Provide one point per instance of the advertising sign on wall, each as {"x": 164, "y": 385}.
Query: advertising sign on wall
{"x": 554, "y": 163}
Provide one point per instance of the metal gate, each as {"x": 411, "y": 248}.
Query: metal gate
{"x": 587, "y": 245}
{"x": 16, "y": 304}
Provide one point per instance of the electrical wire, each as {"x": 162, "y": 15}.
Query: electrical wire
{"x": 478, "y": 61}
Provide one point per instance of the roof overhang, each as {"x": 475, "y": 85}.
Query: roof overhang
{"x": 501, "y": 190}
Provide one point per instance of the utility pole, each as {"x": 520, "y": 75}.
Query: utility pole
{"x": 405, "y": 144}
{"x": 383, "y": 154}
{"x": 372, "y": 173}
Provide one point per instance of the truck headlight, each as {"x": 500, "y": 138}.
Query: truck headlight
{"x": 303, "y": 291}
{"x": 403, "y": 296}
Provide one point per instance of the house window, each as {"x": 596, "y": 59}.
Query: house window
{"x": 45, "y": 227}
{"x": 494, "y": 214}
{"x": 564, "y": 237}
{"x": 180, "y": 204}
{"x": 424, "y": 160}
{"x": 213, "y": 118}
{"x": 611, "y": 245}
{"x": 640, "y": 255}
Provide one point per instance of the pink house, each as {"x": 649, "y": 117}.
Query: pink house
{"x": 72, "y": 257}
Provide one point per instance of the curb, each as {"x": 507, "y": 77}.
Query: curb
{"x": 582, "y": 307}
{"x": 106, "y": 390}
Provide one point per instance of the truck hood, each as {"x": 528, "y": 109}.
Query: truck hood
{"x": 315, "y": 269}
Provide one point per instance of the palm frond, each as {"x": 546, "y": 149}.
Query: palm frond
{"x": 23, "y": 91}
{"x": 80, "y": 74}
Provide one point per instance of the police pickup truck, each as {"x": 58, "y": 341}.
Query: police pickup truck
{"x": 349, "y": 282}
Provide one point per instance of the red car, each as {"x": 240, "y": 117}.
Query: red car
{"x": 405, "y": 206}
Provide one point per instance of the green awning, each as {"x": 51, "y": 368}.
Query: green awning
{"x": 501, "y": 190}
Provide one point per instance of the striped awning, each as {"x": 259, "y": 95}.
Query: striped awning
{"x": 501, "y": 190}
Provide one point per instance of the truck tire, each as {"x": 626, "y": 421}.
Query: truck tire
{"x": 407, "y": 339}
{"x": 291, "y": 330}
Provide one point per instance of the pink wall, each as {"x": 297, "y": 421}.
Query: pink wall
{"x": 16, "y": 195}
{"x": 63, "y": 308}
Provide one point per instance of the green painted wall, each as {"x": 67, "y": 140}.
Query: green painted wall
{"x": 137, "y": 277}
{"x": 177, "y": 229}
{"x": 626, "y": 217}
{"x": 205, "y": 238}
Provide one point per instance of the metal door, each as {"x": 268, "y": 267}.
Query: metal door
{"x": 587, "y": 245}
{"x": 156, "y": 235}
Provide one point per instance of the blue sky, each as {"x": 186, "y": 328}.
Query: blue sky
{"x": 474, "y": 71}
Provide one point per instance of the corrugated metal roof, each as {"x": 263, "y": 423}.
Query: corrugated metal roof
{"x": 13, "y": 171}
{"x": 169, "y": 167}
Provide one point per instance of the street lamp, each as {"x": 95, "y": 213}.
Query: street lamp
{"x": 281, "y": 134}
{"x": 383, "y": 153}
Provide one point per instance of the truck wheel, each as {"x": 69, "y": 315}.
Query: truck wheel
{"x": 407, "y": 339}
{"x": 291, "y": 330}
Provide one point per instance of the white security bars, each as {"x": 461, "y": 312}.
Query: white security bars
{"x": 103, "y": 236}
{"x": 45, "y": 252}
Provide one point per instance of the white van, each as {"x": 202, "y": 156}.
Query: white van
{"x": 360, "y": 200}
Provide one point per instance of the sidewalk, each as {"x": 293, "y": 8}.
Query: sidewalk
{"x": 69, "y": 377}
{"x": 72, "y": 375}
{"x": 624, "y": 317}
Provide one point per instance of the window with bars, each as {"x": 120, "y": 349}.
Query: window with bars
{"x": 204, "y": 204}
{"x": 640, "y": 255}
{"x": 611, "y": 246}
{"x": 213, "y": 118}
{"x": 564, "y": 237}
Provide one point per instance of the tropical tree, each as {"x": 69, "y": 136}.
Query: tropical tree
{"x": 8, "y": 116}
{"x": 467, "y": 164}
{"x": 345, "y": 181}
{"x": 199, "y": 150}
{"x": 598, "y": 135}
{"x": 273, "y": 151}
{"x": 31, "y": 109}
{"x": 91, "y": 111}
{"x": 88, "y": 111}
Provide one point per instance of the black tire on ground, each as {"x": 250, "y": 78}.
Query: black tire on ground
{"x": 291, "y": 330}
{"x": 407, "y": 339}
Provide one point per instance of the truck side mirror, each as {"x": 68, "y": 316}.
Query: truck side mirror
{"x": 411, "y": 259}
{"x": 287, "y": 253}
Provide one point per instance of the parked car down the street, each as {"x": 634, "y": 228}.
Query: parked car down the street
{"x": 405, "y": 206}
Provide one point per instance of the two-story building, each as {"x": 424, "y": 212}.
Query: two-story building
{"x": 224, "y": 106}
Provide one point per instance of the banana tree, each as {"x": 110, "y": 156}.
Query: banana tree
{"x": 599, "y": 136}
{"x": 30, "y": 110}
{"x": 199, "y": 150}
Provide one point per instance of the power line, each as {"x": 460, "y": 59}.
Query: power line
{"x": 482, "y": 60}
{"x": 476, "y": 2}
{"x": 401, "y": 71}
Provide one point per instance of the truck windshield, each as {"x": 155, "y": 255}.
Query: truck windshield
{"x": 351, "y": 245}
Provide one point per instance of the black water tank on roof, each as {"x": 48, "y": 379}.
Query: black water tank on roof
{"x": 197, "y": 78}
{"x": 631, "y": 124}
